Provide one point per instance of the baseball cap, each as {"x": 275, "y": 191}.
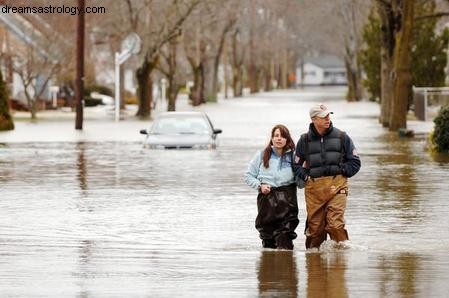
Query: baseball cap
{"x": 319, "y": 110}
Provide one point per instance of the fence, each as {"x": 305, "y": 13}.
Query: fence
{"x": 427, "y": 100}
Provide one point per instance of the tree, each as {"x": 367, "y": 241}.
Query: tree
{"x": 351, "y": 40}
{"x": 428, "y": 56}
{"x": 157, "y": 22}
{"x": 237, "y": 58}
{"x": 401, "y": 68}
{"x": 440, "y": 136}
{"x": 169, "y": 67}
{"x": 369, "y": 56}
{"x": 6, "y": 121}
{"x": 35, "y": 70}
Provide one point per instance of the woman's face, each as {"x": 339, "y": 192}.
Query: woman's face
{"x": 277, "y": 139}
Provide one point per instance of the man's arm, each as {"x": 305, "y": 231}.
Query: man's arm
{"x": 351, "y": 161}
{"x": 300, "y": 166}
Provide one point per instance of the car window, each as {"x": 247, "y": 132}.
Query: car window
{"x": 181, "y": 126}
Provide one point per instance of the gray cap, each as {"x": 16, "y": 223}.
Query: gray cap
{"x": 319, "y": 110}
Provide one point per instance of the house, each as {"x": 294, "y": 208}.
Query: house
{"x": 18, "y": 34}
{"x": 321, "y": 70}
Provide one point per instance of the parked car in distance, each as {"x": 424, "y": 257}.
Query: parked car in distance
{"x": 181, "y": 130}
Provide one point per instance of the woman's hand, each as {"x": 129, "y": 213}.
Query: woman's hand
{"x": 265, "y": 188}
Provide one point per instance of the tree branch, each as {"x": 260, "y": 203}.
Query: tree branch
{"x": 434, "y": 15}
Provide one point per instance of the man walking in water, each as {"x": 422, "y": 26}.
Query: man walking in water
{"x": 325, "y": 159}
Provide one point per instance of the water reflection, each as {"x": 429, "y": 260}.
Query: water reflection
{"x": 396, "y": 181}
{"x": 81, "y": 166}
{"x": 441, "y": 158}
{"x": 85, "y": 271}
{"x": 5, "y": 163}
{"x": 277, "y": 274}
{"x": 326, "y": 275}
{"x": 399, "y": 275}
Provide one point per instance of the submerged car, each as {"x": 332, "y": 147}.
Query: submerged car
{"x": 181, "y": 130}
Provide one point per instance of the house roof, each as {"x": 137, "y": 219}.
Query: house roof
{"x": 22, "y": 29}
{"x": 325, "y": 61}
{"x": 33, "y": 31}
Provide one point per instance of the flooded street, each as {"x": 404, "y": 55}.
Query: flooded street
{"x": 90, "y": 217}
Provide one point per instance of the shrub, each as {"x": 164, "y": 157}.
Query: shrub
{"x": 6, "y": 121}
{"x": 440, "y": 136}
{"x": 92, "y": 102}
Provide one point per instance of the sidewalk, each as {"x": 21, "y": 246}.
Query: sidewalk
{"x": 99, "y": 123}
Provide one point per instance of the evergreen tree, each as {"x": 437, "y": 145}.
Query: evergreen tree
{"x": 440, "y": 136}
{"x": 428, "y": 57}
{"x": 6, "y": 122}
{"x": 369, "y": 56}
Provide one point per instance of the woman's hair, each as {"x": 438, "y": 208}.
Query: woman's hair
{"x": 288, "y": 145}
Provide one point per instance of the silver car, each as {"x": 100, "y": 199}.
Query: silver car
{"x": 181, "y": 130}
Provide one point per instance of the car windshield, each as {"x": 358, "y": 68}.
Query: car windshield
{"x": 182, "y": 125}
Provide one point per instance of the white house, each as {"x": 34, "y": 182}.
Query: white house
{"x": 19, "y": 32}
{"x": 321, "y": 70}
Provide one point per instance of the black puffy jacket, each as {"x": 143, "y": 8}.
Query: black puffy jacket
{"x": 328, "y": 155}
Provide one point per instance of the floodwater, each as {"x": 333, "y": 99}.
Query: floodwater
{"x": 111, "y": 219}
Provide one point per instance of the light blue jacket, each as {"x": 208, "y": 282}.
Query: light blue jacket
{"x": 277, "y": 174}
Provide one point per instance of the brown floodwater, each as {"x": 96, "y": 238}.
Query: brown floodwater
{"x": 112, "y": 219}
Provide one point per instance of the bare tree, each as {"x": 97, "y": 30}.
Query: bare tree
{"x": 35, "y": 72}
{"x": 351, "y": 38}
{"x": 39, "y": 58}
{"x": 237, "y": 60}
{"x": 173, "y": 73}
{"x": 157, "y": 22}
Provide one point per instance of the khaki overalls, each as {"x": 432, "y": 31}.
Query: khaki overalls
{"x": 326, "y": 203}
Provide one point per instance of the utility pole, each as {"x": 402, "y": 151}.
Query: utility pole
{"x": 79, "y": 82}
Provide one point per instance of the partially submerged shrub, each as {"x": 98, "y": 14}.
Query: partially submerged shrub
{"x": 440, "y": 136}
{"x": 6, "y": 121}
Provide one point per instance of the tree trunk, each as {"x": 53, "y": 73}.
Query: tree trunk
{"x": 215, "y": 74}
{"x": 210, "y": 94}
{"x": 353, "y": 72}
{"x": 215, "y": 88}
{"x": 33, "y": 109}
{"x": 196, "y": 92}
{"x": 386, "y": 88}
{"x": 388, "y": 42}
{"x": 267, "y": 77}
{"x": 237, "y": 78}
{"x": 202, "y": 85}
{"x": 403, "y": 82}
{"x": 237, "y": 62}
{"x": 225, "y": 73}
{"x": 283, "y": 70}
{"x": 6, "y": 121}
{"x": 252, "y": 78}
{"x": 173, "y": 87}
{"x": 144, "y": 89}
{"x": 122, "y": 88}
{"x": 354, "y": 90}
{"x": 172, "y": 94}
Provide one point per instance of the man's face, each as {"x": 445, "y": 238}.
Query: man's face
{"x": 321, "y": 124}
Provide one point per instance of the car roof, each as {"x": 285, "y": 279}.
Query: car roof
{"x": 181, "y": 114}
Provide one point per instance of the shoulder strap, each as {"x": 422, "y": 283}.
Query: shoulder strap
{"x": 306, "y": 152}
{"x": 342, "y": 141}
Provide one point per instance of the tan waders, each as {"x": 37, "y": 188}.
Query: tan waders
{"x": 326, "y": 203}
